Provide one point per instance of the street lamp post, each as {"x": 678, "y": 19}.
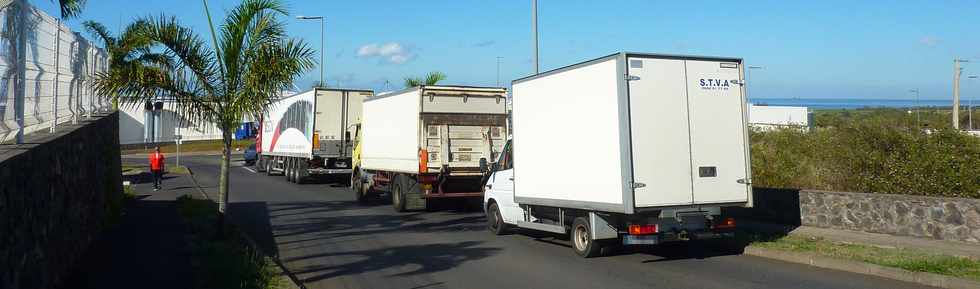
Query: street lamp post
{"x": 916, "y": 91}
{"x": 534, "y": 28}
{"x": 748, "y": 76}
{"x": 498, "y": 70}
{"x": 321, "y": 40}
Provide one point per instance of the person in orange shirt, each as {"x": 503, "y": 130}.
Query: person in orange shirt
{"x": 156, "y": 167}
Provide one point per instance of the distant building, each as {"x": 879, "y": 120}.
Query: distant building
{"x": 149, "y": 124}
{"x": 766, "y": 117}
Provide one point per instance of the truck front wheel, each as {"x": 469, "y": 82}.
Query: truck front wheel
{"x": 582, "y": 240}
{"x": 494, "y": 221}
{"x": 357, "y": 187}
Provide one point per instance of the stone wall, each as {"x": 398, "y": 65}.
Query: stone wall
{"x": 57, "y": 191}
{"x": 930, "y": 217}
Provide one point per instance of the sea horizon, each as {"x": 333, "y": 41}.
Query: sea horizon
{"x": 856, "y": 103}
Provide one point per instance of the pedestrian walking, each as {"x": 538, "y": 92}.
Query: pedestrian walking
{"x": 156, "y": 167}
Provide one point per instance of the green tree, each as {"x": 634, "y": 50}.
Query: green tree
{"x": 430, "y": 79}
{"x": 70, "y": 8}
{"x": 127, "y": 52}
{"x": 251, "y": 61}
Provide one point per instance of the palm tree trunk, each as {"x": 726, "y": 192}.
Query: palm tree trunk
{"x": 223, "y": 182}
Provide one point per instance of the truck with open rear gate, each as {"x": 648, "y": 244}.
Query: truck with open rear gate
{"x": 310, "y": 133}
{"x": 627, "y": 149}
{"x": 425, "y": 143}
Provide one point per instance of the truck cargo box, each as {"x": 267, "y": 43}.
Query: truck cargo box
{"x": 455, "y": 125}
{"x": 631, "y": 132}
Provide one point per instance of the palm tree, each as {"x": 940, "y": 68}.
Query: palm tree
{"x": 131, "y": 48}
{"x": 70, "y": 8}
{"x": 430, "y": 79}
{"x": 251, "y": 61}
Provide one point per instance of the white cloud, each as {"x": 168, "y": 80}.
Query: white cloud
{"x": 929, "y": 40}
{"x": 391, "y": 52}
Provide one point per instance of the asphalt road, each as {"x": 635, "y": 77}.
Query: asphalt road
{"x": 329, "y": 241}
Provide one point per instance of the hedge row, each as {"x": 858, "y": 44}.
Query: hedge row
{"x": 868, "y": 156}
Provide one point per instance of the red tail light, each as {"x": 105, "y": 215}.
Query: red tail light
{"x": 643, "y": 229}
{"x": 423, "y": 161}
{"x": 727, "y": 223}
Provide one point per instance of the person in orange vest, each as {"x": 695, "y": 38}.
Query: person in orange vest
{"x": 156, "y": 167}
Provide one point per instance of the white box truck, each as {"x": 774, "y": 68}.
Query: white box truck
{"x": 310, "y": 133}
{"x": 427, "y": 142}
{"x": 630, "y": 148}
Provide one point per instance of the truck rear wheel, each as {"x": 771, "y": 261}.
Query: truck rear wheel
{"x": 582, "y": 240}
{"x": 495, "y": 222}
{"x": 302, "y": 170}
{"x": 269, "y": 165}
{"x": 398, "y": 194}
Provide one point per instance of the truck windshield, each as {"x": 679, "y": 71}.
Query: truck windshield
{"x": 506, "y": 159}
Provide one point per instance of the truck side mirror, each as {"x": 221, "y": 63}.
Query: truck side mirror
{"x": 484, "y": 166}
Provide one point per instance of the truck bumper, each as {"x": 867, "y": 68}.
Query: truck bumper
{"x": 321, "y": 171}
{"x": 665, "y": 237}
{"x": 455, "y": 195}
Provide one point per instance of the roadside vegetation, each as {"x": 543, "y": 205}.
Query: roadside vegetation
{"x": 227, "y": 261}
{"x": 907, "y": 259}
{"x": 189, "y": 146}
{"x": 870, "y": 151}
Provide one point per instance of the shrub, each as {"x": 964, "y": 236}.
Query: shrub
{"x": 872, "y": 156}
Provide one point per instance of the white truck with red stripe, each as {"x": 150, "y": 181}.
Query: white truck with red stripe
{"x": 666, "y": 149}
{"x": 425, "y": 143}
{"x": 309, "y": 133}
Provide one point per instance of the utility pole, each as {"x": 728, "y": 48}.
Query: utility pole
{"x": 498, "y": 70}
{"x": 534, "y": 29}
{"x": 916, "y": 91}
{"x": 970, "y": 107}
{"x": 957, "y": 71}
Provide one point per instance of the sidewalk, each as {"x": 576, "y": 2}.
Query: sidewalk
{"x": 147, "y": 248}
{"x": 944, "y": 247}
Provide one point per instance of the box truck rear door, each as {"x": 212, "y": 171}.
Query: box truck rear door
{"x": 718, "y": 143}
{"x": 659, "y": 132}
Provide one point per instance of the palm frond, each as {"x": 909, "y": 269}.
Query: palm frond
{"x": 434, "y": 77}
{"x": 71, "y": 8}
{"x": 99, "y": 31}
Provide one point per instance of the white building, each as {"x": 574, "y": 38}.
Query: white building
{"x": 771, "y": 117}
{"x": 139, "y": 125}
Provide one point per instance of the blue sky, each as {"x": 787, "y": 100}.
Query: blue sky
{"x": 809, "y": 49}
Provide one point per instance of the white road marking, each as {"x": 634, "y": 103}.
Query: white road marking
{"x": 250, "y": 169}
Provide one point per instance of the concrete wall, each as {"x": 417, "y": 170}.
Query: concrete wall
{"x": 955, "y": 219}
{"x": 766, "y": 117}
{"x": 57, "y": 192}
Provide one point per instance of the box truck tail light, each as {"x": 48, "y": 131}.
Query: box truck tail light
{"x": 423, "y": 161}
{"x": 643, "y": 229}
{"x": 727, "y": 223}
{"x": 316, "y": 141}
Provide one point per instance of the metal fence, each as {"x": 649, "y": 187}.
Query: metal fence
{"x": 46, "y": 72}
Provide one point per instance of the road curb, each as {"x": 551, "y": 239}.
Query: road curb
{"x": 929, "y": 279}
{"x": 293, "y": 282}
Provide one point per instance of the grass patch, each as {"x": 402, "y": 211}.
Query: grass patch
{"x": 188, "y": 146}
{"x": 181, "y": 170}
{"x": 908, "y": 259}
{"x": 130, "y": 169}
{"x": 228, "y": 262}
{"x": 129, "y": 193}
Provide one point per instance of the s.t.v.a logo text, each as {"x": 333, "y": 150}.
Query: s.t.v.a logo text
{"x": 716, "y": 84}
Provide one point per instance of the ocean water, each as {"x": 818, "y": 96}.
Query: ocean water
{"x": 855, "y": 103}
